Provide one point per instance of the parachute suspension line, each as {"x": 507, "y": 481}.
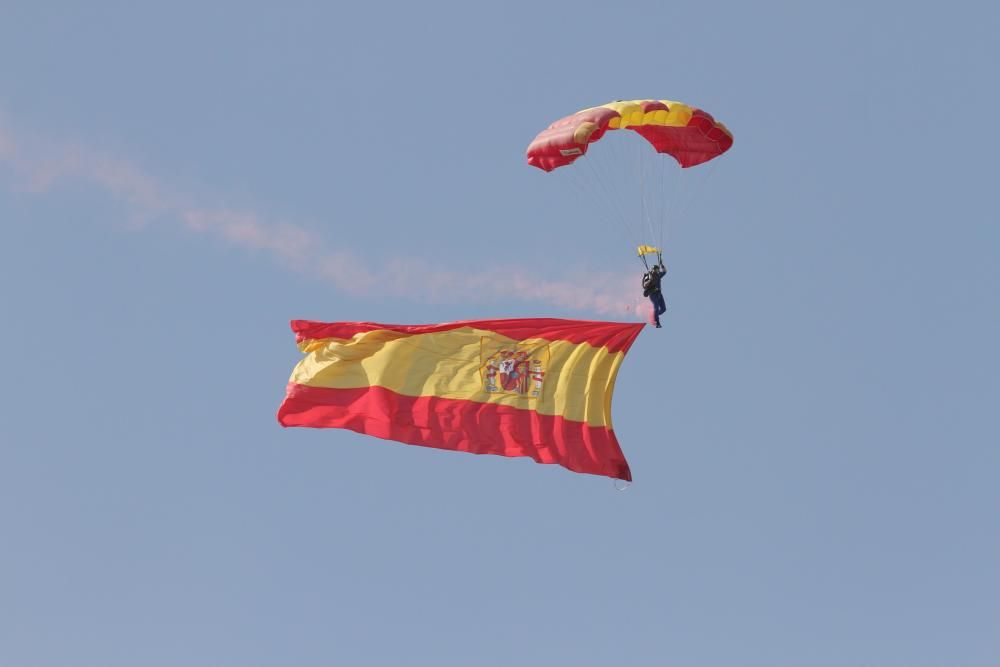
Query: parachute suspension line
{"x": 645, "y": 213}
{"x": 600, "y": 204}
{"x": 601, "y": 196}
{"x": 610, "y": 196}
{"x": 652, "y": 170}
{"x": 642, "y": 188}
{"x": 624, "y": 485}
{"x": 618, "y": 178}
{"x": 694, "y": 185}
{"x": 700, "y": 184}
{"x": 662, "y": 183}
{"x": 601, "y": 187}
{"x": 598, "y": 184}
{"x": 613, "y": 177}
{"x": 676, "y": 177}
{"x": 652, "y": 217}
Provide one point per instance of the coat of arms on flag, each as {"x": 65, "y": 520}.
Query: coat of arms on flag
{"x": 513, "y": 369}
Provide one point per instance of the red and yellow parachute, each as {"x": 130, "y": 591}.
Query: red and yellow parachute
{"x": 688, "y": 134}
{"x": 642, "y": 191}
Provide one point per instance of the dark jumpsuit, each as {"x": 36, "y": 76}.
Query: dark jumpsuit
{"x": 652, "y": 285}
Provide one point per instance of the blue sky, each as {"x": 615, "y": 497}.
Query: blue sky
{"x": 813, "y": 433}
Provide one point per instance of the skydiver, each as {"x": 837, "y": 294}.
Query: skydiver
{"x": 651, "y": 288}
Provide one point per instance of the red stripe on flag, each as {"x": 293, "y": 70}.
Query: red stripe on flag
{"x": 465, "y": 426}
{"x": 615, "y": 336}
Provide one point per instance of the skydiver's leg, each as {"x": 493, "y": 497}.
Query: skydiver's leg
{"x": 659, "y": 306}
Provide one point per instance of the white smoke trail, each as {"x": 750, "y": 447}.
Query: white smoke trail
{"x": 38, "y": 166}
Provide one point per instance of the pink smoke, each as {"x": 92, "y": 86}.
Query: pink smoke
{"x": 38, "y": 166}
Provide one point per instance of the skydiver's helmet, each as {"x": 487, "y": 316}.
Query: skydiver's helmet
{"x": 655, "y": 269}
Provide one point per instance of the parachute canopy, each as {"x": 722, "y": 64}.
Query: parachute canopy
{"x": 691, "y": 136}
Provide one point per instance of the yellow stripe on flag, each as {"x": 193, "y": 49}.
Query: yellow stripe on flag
{"x": 576, "y": 378}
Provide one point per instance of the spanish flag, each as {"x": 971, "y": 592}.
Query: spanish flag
{"x": 519, "y": 387}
